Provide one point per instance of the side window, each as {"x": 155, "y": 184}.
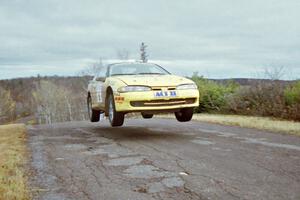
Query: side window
{"x": 100, "y": 78}
{"x": 101, "y": 72}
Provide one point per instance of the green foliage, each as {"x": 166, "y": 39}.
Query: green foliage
{"x": 292, "y": 94}
{"x": 213, "y": 95}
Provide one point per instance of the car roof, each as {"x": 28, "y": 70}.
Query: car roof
{"x": 134, "y": 63}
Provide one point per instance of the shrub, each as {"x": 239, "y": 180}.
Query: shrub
{"x": 271, "y": 98}
{"x": 292, "y": 93}
{"x": 292, "y": 98}
{"x": 213, "y": 95}
{"x": 263, "y": 99}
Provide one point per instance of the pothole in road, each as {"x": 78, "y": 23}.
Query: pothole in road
{"x": 166, "y": 183}
{"x": 155, "y": 187}
{"x": 139, "y": 169}
{"x": 112, "y": 151}
{"x": 173, "y": 182}
{"x": 221, "y": 149}
{"x": 146, "y": 172}
{"x": 219, "y": 133}
{"x": 75, "y": 146}
{"x": 99, "y": 140}
{"x": 92, "y": 152}
{"x": 203, "y": 142}
{"x": 64, "y": 137}
{"x": 125, "y": 161}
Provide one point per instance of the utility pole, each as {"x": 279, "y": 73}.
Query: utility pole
{"x": 144, "y": 56}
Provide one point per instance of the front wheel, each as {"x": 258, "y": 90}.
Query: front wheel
{"x": 115, "y": 118}
{"x": 94, "y": 115}
{"x": 184, "y": 115}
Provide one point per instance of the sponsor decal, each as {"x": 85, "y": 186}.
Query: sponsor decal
{"x": 119, "y": 99}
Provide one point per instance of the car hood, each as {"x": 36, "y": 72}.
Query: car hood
{"x": 154, "y": 80}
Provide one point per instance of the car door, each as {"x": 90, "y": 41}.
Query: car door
{"x": 99, "y": 89}
{"x": 100, "y": 92}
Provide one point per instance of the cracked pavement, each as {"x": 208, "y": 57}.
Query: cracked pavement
{"x": 162, "y": 159}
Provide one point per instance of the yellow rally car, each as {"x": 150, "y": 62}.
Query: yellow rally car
{"x": 140, "y": 87}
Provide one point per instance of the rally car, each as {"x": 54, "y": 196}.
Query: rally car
{"x": 140, "y": 87}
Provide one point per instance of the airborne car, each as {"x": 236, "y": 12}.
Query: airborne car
{"x": 140, "y": 87}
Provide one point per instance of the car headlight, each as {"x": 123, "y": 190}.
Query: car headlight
{"x": 134, "y": 89}
{"x": 186, "y": 86}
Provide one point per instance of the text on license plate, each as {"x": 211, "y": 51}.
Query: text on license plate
{"x": 165, "y": 94}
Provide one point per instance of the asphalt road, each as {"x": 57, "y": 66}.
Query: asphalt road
{"x": 162, "y": 159}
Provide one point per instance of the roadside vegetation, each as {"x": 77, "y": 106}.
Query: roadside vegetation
{"x": 13, "y": 154}
{"x": 40, "y": 100}
{"x": 268, "y": 98}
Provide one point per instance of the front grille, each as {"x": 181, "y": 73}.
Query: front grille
{"x": 162, "y": 102}
{"x": 159, "y": 88}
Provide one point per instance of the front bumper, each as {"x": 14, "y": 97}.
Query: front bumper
{"x": 146, "y": 101}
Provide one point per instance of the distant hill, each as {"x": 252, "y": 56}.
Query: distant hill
{"x": 249, "y": 81}
{"x": 64, "y": 79}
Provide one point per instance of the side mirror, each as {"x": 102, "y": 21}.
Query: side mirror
{"x": 102, "y": 79}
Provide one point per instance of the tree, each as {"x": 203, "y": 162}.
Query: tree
{"x": 7, "y": 105}
{"x": 94, "y": 69}
{"x": 54, "y": 103}
{"x": 144, "y": 56}
{"x": 275, "y": 72}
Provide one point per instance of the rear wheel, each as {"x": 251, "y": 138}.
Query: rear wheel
{"x": 184, "y": 114}
{"x": 115, "y": 118}
{"x": 94, "y": 115}
{"x": 147, "y": 116}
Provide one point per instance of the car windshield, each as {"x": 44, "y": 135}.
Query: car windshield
{"x": 136, "y": 69}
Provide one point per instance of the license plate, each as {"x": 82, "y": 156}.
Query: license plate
{"x": 165, "y": 94}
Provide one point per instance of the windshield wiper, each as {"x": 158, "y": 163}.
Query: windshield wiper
{"x": 121, "y": 74}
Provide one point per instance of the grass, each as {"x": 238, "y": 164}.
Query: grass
{"x": 13, "y": 155}
{"x": 262, "y": 123}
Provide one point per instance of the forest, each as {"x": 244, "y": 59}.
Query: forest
{"x": 43, "y": 99}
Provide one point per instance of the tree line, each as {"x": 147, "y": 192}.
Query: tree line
{"x": 44, "y": 99}
{"x": 58, "y": 99}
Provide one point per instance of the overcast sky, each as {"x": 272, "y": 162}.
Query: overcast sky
{"x": 217, "y": 38}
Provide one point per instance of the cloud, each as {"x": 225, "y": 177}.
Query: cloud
{"x": 219, "y": 38}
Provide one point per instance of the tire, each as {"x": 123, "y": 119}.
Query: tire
{"x": 94, "y": 115}
{"x": 115, "y": 118}
{"x": 147, "y": 116}
{"x": 185, "y": 114}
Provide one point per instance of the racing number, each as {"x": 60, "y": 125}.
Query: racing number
{"x": 99, "y": 92}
